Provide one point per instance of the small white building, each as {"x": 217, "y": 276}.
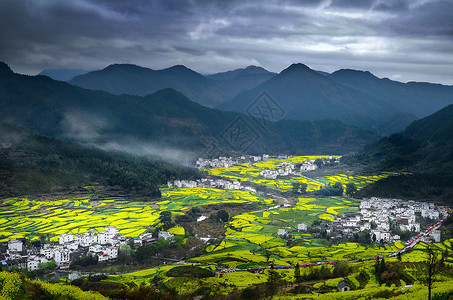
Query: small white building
{"x": 86, "y": 239}
{"x": 343, "y": 287}
{"x": 102, "y": 256}
{"x": 281, "y": 231}
{"x": 33, "y": 262}
{"x": 165, "y": 235}
{"x": 47, "y": 251}
{"x": 302, "y": 226}
{"x": 61, "y": 256}
{"x": 106, "y": 236}
{"x": 95, "y": 248}
{"x": 66, "y": 238}
{"x": 15, "y": 245}
{"x": 435, "y": 234}
{"x": 112, "y": 252}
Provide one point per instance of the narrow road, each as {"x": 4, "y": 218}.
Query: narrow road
{"x": 312, "y": 179}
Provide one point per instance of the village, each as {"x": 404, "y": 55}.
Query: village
{"x": 377, "y": 217}
{"x": 212, "y": 183}
{"x": 286, "y": 169}
{"x": 103, "y": 246}
{"x": 225, "y": 162}
{"x": 381, "y": 218}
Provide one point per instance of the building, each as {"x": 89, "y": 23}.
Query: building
{"x": 281, "y": 231}
{"x": 165, "y": 235}
{"x": 66, "y": 238}
{"x": 343, "y": 287}
{"x": 302, "y": 226}
{"x": 86, "y": 239}
{"x": 61, "y": 257}
{"x": 33, "y": 263}
{"x": 15, "y": 245}
{"x": 435, "y": 235}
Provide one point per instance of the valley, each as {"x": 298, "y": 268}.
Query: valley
{"x": 246, "y": 218}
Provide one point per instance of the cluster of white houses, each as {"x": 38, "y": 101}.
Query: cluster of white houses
{"x": 291, "y": 168}
{"x": 226, "y": 162}
{"x": 379, "y": 216}
{"x": 211, "y": 183}
{"x": 285, "y": 169}
{"x": 104, "y": 245}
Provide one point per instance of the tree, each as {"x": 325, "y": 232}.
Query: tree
{"x": 125, "y": 254}
{"x": 272, "y": 282}
{"x": 165, "y": 219}
{"x": 434, "y": 264}
{"x": 268, "y": 254}
{"x": 303, "y": 187}
{"x": 398, "y": 256}
{"x": 296, "y": 186}
{"x": 318, "y": 162}
{"x": 223, "y": 215}
{"x": 297, "y": 272}
{"x": 351, "y": 189}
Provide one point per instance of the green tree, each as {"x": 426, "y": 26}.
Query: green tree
{"x": 351, "y": 189}
{"x": 272, "y": 282}
{"x": 165, "y": 219}
{"x": 296, "y": 187}
{"x": 48, "y": 266}
{"x": 297, "y": 272}
{"x": 434, "y": 264}
{"x": 318, "y": 162}
{"x": 303, "y": 187}
{"x": 125, "y": 254}
{"x": 223, "y": 216}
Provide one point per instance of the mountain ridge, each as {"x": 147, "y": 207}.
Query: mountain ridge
{"x": 417, "y": 98}
{"x": 166, "y": 121}
{"x": 305, "y": 94}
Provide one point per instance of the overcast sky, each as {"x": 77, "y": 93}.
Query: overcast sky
{"x": 405, "y": 40}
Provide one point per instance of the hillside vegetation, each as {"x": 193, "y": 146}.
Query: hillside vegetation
{"x": 424, "y": 149}
{"x": 32, "y": 163}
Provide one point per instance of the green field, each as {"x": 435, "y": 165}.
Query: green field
{"x": 21, "y": 217}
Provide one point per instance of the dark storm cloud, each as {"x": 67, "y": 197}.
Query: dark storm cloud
{"x": 432, "y": 19}
{"x": 389, "y": 37}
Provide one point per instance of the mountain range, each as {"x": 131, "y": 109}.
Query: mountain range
{"x": 355, "y": 97}
{"x": 417, "y": 98}
{"x": 165, "y": 122}
{"x": 304, "y": 94}
{"x": 210, "y": 90}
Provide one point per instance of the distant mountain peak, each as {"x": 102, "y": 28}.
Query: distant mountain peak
{"x": 297, "y": 67}
{"x": 183, "y": 67}
{"x": 178, "y": 68}
{"x": 122, "y": 67}
{"x": 5, "y": 69}
{"x": 354, "y": 72}
{"x": 253, "y": 68}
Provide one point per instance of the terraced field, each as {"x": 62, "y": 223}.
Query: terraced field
{"x": 251, "y": 238}
{"x": 251, "y": 172}
{"x": 21, "y": 217}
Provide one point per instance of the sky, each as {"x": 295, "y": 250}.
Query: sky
{"x": 404, "y": 40}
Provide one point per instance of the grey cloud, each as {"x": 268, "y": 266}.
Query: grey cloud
{"x": 210, "y": 36}
{"x": 432, "y": 19}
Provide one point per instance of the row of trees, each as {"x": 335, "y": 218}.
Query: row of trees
{"x": 328, "y": 190}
